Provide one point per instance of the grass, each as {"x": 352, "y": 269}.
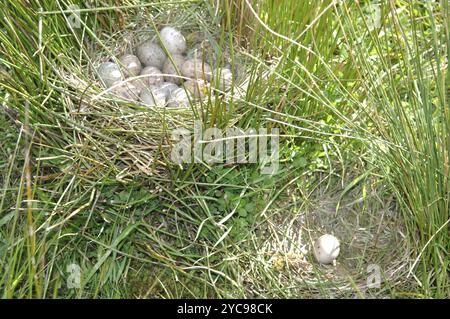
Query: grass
{"x": 359, "y": 93}
{"x": 413, "y": 115}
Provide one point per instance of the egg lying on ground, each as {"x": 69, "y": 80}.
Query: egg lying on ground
{"x": 153, "y": 75}
{"x": 171, "y": 68}
{"x": 151, "y": 54}
{"x": 173, "y": 40}
{"x": 109, "y": 73}
{"x": 326, "y": 249}
{"x": 196, "y": 69}
{"x": 131, "y": 65}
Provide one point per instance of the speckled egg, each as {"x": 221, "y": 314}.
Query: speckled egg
{"x": 167, "y": 88}
{"x": 153, "y": 98}
{"x": 173, "y": 40}
{"x": 127, "y": 91}
{"x": 197, "y": 88}
{"x": 109, "y": 73}
{"x": 140, "y": 83}
{"x": 153, "y": 75}
{"x": 196, "y": 69}
{"x": 131, "y": 65}
{"x": 178, "y": 98}
{"x": 169, "y": 68}
{"x": 151, "y": 54}
{"x": 326, "y": 249}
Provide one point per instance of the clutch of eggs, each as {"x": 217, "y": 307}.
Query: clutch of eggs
{"x": 161, "y": 74}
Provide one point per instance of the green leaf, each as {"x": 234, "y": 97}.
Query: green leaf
{"x": 242, "y": 212}
{"x": 250, "y": 207}
{"x": 300, "y": 162}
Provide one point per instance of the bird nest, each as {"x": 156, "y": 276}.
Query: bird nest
{"x": 126, "y": 135}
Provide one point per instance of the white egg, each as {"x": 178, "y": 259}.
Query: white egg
{"x": 153, "y": 75}
{"x": 197, "y": 88}
{"x": 196, "y": 69}
{"x": 151, "y": 54}
{"x": 109, "y": 73}
{"x": 169, "y": 68}
{"x": 167, "y": 88}
{"x": 224, "y": 80}
{"x": 178, "y": 98}
{"x": 173, "y": 40}
{"x": 326, "y": 249}
{"x": 131, "y": 64}
{"x": 153, "y": 98}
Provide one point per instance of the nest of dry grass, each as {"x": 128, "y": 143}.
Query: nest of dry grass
{"x": 136, "y": 139}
